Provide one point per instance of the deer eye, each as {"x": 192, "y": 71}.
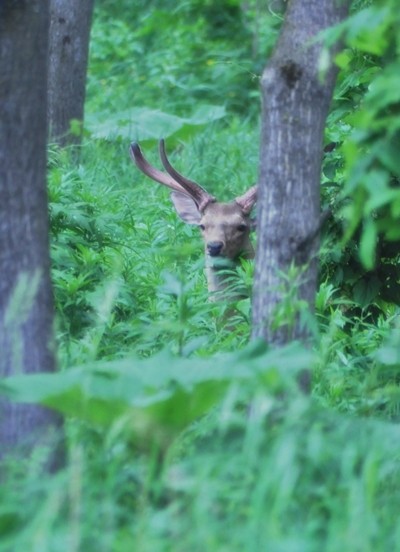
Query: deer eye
{"x": 202, "y": 227}
{"x": 241, "y": 227}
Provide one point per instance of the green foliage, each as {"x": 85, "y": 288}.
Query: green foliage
{"x": 181, "y": 436}
{"x": 127, "y": 272}
{"x": 146, "y": 124}
{"x": 364, "y": 126}
{"x": 270, "y": 465}
{"x": 173, "y": 56}
{"x": 156, "y": 405}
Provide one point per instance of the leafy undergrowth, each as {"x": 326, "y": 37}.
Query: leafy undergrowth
{"x": 214, "y": 454}
{"x": 180, "y": 435}
{"x": 128, "y": 273}
{"x": 267, "y": 473}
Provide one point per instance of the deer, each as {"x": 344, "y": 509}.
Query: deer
{"x": 225, "y": 227}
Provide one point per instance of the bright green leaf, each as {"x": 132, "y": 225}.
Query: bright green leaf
{"x": 368, "y": 244}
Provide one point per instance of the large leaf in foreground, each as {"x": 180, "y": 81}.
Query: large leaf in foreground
{"x": 159, "y": 396}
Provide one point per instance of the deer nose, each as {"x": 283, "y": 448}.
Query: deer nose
{"x": 214, "y": 248}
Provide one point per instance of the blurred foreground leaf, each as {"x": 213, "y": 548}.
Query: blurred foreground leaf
{"x": 162, "y": 395}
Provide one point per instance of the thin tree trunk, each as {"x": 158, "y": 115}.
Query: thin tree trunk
{"x": 26, "y": 305}
{"x": 70, "y": 22}
{"x": 296, "y": 100}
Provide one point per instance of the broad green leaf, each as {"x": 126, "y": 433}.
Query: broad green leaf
{"x": 367, "y": 29}
{"x": 159, "y": 396}
{"x": 366, "y": 290}
{"x": 393, "y": 233}
{"x": 140, "y": 124}
{"x": 388, "y": 154}
{"x": 375, "y": 181}
{"x": 385, "y": 89}
{"x": 379, "y": 199}
{"x": 343, "y": 58}
{"x": 368, "y": 244}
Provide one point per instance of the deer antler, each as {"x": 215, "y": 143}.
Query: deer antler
{"x": 150, "y": 171}
{"x": 199, "y": 194}
{"x": 173, "y": 180}
{"x": 247, "y": 200}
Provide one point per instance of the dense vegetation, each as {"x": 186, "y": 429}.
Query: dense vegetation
{"x": 180, "y": 435}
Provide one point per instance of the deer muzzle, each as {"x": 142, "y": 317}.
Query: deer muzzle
{"x": 214, "y": 248}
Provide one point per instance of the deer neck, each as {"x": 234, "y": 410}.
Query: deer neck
{"x": 219, "y": 272}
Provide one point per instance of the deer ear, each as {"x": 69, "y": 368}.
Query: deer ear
{"x": 246, "y": 201}
{"x": 186, "y": 208}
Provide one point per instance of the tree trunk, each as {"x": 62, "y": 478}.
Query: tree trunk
{"x": 296, "y": 100}
{"x": 26, "y": 306}
{"x": 68, "y": 57}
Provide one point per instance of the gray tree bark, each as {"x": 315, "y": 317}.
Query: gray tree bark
{"x": 295, "y": 99}
{"x": 70, "y": 22}
{"x": 26, "y": 305}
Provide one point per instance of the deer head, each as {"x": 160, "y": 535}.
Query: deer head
{"x": 225, "y": 226}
